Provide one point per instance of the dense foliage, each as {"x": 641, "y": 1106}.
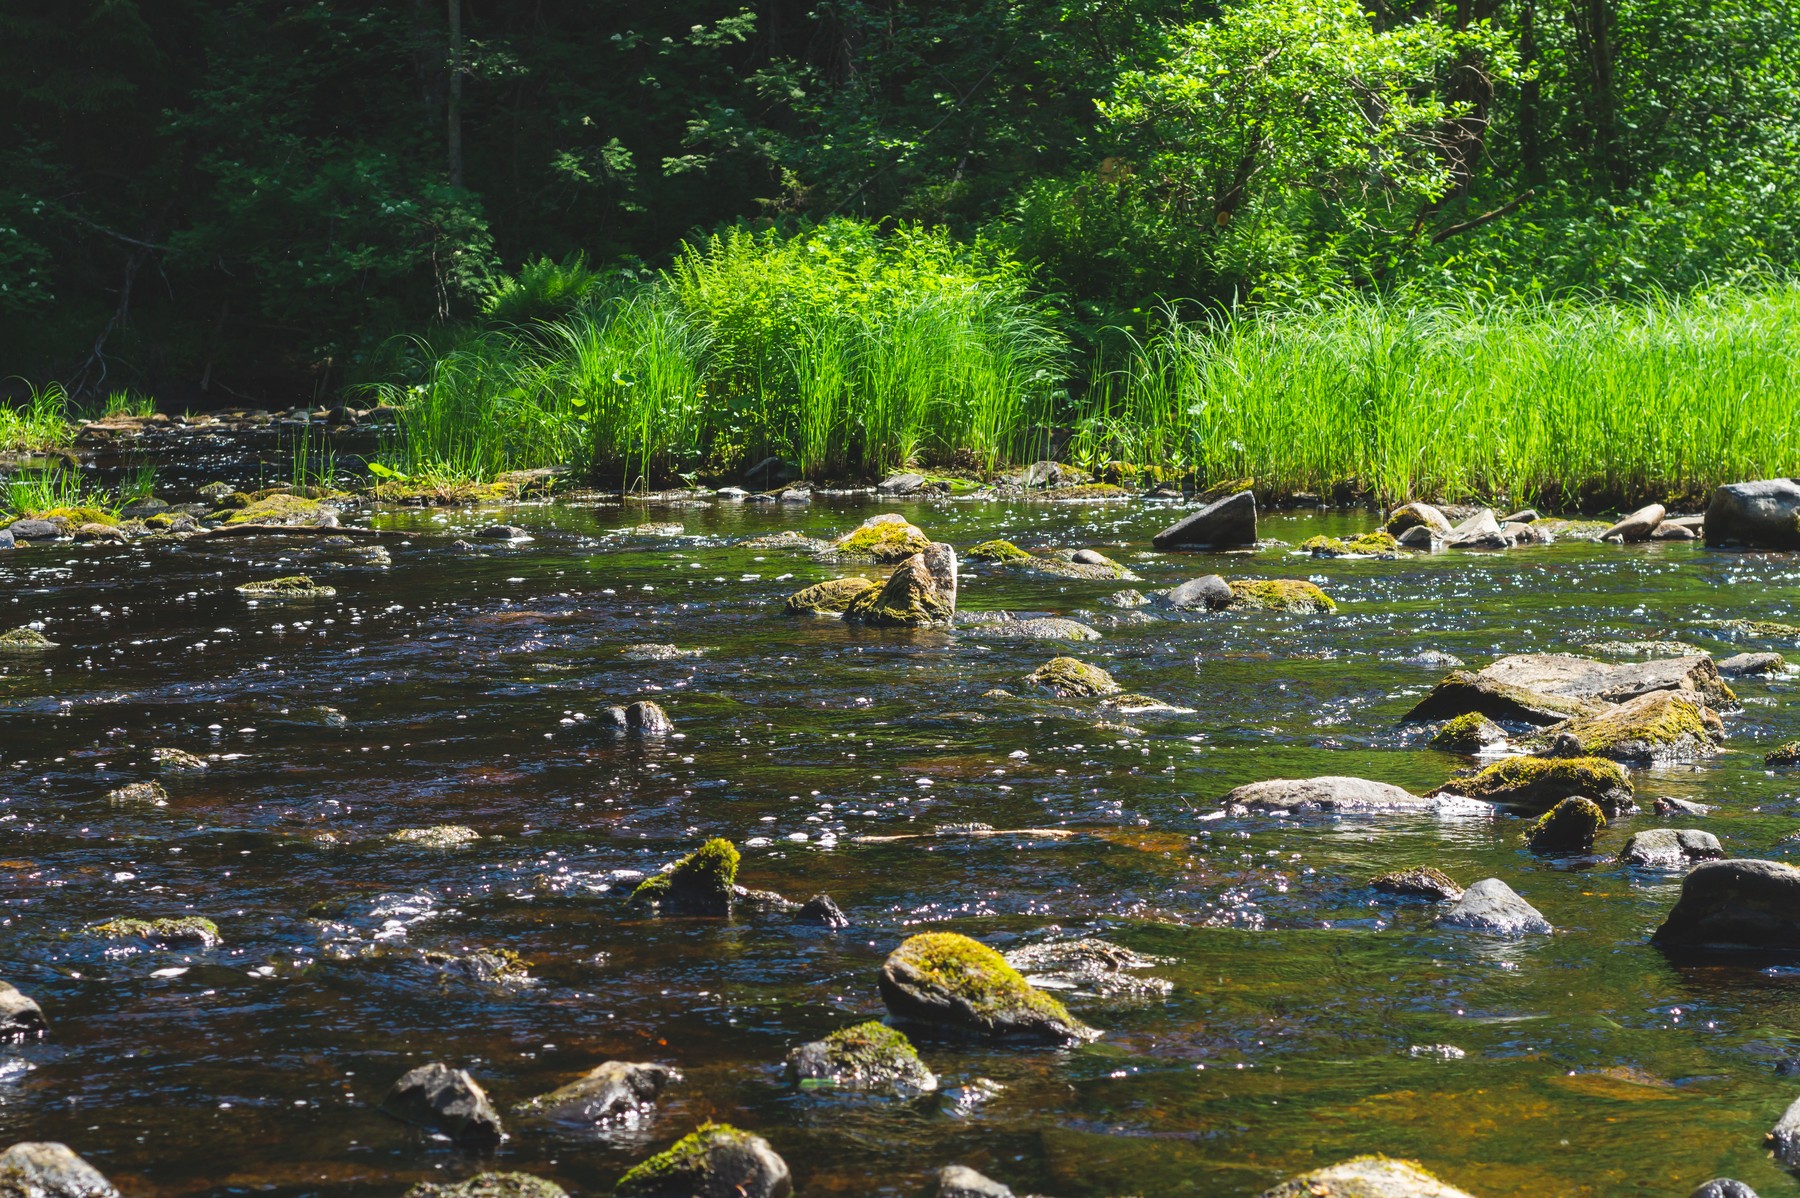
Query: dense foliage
{"x": 254, "y": 196}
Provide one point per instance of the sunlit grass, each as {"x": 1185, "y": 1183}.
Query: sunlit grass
{"x": 40, "y": 423}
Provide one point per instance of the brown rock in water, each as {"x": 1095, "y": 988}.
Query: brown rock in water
{"x": 1417, "y": 515}
{"x": 1228, "y": 524}
{"x": 445, "y": 1100}
{"x": 1735, "y": 907}
{"x": 46, "y": 1169}
{"x": 1638, "y": 526}
{"x": 610, "y": 1092}
{"x": 1420, "y": 882}
{"x": 910, "y": 598}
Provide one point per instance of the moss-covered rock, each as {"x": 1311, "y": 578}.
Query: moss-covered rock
{"x": 176, "y": 761}
{"x": 948, "y": 981}
{"x": 1078, "y": 493}
{"x": 1068, "y": 677}
{"x": 25, "y": 640}
{"x": 1536, "y": 784}
{"x": 1660, "y": 726}
{"x": 294, "y": 586}
{"x": 1783, "y": 755}
{"x": 46, "y": 1169}
{"x": 715, "y": 1161}
{"x": 276, "y": 507}
{"x": 1468, "y": 733}
{"x": 139, "y": 795}
{"x": 1004, "y": 552}
{"x": 187, "y": 931}
{"x": 701, "y": 883}
{"x": 76, "y": 516}
{"x": 910, "y": 598}
{"x": 438, "y": 836}
{"x": 1369, "y": 544}
{"x": 887, "y": 539}
{"x": 1463, "y": 691}
{"x": 490, "y": 1185}
{"x": 1279, "y": 594}
{"x": 1568, "y": 827}
{"x": 830, "y": 597}
{"x": 869, "y": 1056}
{"x": 1422, "y": 881}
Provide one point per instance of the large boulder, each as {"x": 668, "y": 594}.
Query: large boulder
{"x": 46, "y": 1169}
{"x": 20, "y": 1016}
{"x": 1532, "y": 785}
{"x": 701, "y": 883}
{"x": 1464, "y": 693}
{"x": 888, "y": 538}
{"x": 714, "y": 1161}
{"x": 1574, "y": 677}
{"x": 1417, "y": 515}
{"x": 1660, "y": 726}
{"x": 445, "y": 1100}
{"x": 1638, "y": 526}
{"x": 947, "y": 981}
{"x": 1366, "y": 1177}
{"x": 910, "y": 598}
{"x": 1735, "y": 906}
{"x": 1335, "y": 795}
{"x": 1230, "y": 523}
{"x": 1758, "y": 515}
{"x": 868, "y": 1056}
{"x": 1492, "y": 906}
{"x": 1480, "y": 531}
{"x": 1670, "y": 848}
{"x": 615, "y": 1091}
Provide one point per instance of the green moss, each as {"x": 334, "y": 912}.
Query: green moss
{"x": 1377, "y": 542}
{"x": 1568, "y": 827}
{"x": 159, "y": 521}
{"x": 1080, "y": 491}
{"x": 869, "y": 1052}
{"x": 277, "y": 508}
{"x": 1545, "y": 781}
{"x": 490, "y": 1185}
{"x": 294, "y": 586}
{"x": 979, "y": 977}
{"x": 24, "y": 640}
{"x": 699, "y": 883}
{"x": 1280, "y": 594}
{"x": 884, "y": 539}
{"x": 830, "y": 597}
{"x": 687, "y": 1155}
{"x": 1768, "y": 630}
{"x": 76, "y": 516}
{"x": 188, "y": 929}
{"x": 1325, "y": 547}
{"x": 1788, "y": 754}
{"x": 138, "y": 794}
{"x": 909, "y": 599}
{"x": 1069, "y": 677}
{"x": 1662, "y": 725}
{"x": 1004, "y": 552}
{"x": 1468, "y": 733}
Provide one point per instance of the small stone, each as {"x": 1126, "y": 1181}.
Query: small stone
{"x": 20, "y": 1016}
{"x": 715, "y": 1161}
{"x": 46, "y": 1169}
{"x": 1568, "y": 827}
{"x": 912, "y": 596}
{"x": 1752, "y": 665}
{"x": 960, "y": 1181}
{"x": 1670, "y": 848}
{"x": 190, "y": 931}
{"x": 490, "y": 1185}
{"x": 440, "y": 836}
{"x": 905, "y": 483}
{"x": 1419, "y": 882}
{"x": 1088, "y": 968}
{"x": 701, "y": 883}
{"x": 617, "y": 1091}
{"x": 1067, "y": 677}
{"x": 1783, "y": 755}
{"x": 1664, "y": 805}
{"x": 297, "y": 586}
{"x": 658, "y": 653}
{"x": 1336, "y": 795}
{"x": 503, "y": 532}
{"x": 1492, "y": 906}
{"x": 1470, "y": 733}
{"x": 446, "y": 1100}
{"x": 821, "y": 910}
{"x": 869, "y": 1056}
{"x": 138, "y": 794}
{"x": 1437, "y": 1052}
{"x": 25, "y": 640}
{"x": 1522, "y": 516}
{"x": 176, "y": 761}
{"x": 639, "y": 718}
{"x": 39, "y": 530}
{"x": 1208, "y": 591}
{"x": 1038, "y": 628}
{"x": 1128, "y": 598}
{"x": 1723, "y": 1187}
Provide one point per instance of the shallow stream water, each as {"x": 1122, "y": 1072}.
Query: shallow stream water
{"x": 452, "y": 686}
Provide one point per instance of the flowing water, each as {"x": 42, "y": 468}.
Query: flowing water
{"x": 455, "y": 686}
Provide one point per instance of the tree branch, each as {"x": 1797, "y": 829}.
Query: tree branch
{"x": 1476, "y": 222}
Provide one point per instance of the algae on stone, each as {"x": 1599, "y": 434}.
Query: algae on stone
{"x": 1568, "y": 827}
{"x": 138, "y": 794}
{"x": 910, "y": 598}
{"x": 887, "y": 539}
{"x": 1659, "y": 726}
{"x": 715, "y": 1160}
{"x": 868, "y": 1056}
{"x": 438, "y": 836}
{"x": 1069, "y": 677}
{"x": 294, "y": 586}
{"x": 277, "y": 507}
{"x": 25, "y": 640}
{"x": 1279, "y": 594}
{"x": 1780, "y": 755}
{"x": 947, "y": 980}
{"x": 700, "y": 883}
{"x": 830, "y": 597}
{"x": 1539, "y": 783}
{"x": 490, "y": 1185}
{"x": 1468, "y": 733}
{"x": 1004, "y": 552}
{"x": 186, "y": 930}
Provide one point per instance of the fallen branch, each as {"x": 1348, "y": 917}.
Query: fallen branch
{"x": 970, "y": 834}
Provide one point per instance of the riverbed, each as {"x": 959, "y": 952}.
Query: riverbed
{"x": 1311, "y": 1018}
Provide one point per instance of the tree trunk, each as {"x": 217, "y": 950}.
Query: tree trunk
{"x": 454, "y": 107}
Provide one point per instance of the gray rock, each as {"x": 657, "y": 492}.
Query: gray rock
{"x": 1751, "y": 665}
{"x": 901, "y": 484}
{"x": 940, "y": 560}
{"x": 796, "y": 495}
{"x": 7, "y": 541}
{"x": 490, "y": 1185}
{"x": 1531, "y": 686}
{"x": 1638, "y": 526}
{"x": 1670, "y": 806}
{"x": 960, "y": 1181}
{"x": 20, "y": 1016}
{"x": 1723, "y": 1187}
{"x": 1127, "y": 599}
{"x": 1208, "y": 591}
{"x": 1088, "y": 968}
{"x": 49, "y": 1170}
{"x": 821, "y": 910}
{"x": 1492, "y": 906}
{"x": 717, "y": 1161}
{"x": 1755, "y": 515}
{"x": 1670, "y": 848}
{"x": 503, "y": 532}
{"x": 1433, "y": 657}
{"x": 1038, "y": 628}
{"x": 1333, "y": 795}
{"x": 1522, "y": 516}
{"x": 1229, "y": 523}
{"x": 1366, "y": 1177}
{"x": 1417, "y": 515}
{"x": 733, "y": 494}
{"x": 1091, "y": 557}
{"x": 1042, "y": 474}
{"x": 1735, "y": 906}
{"x": 1476, "y": 531}
{"x": 1674, "y": 532}
{"x": 1421, "y": 536}
{"x": 1784, "y": 1137}
{"x": 613, "y": 1092}
{"x": 39, "y": 530}
{"x": 870, "y": 1056}
{"x": 446, "y": 1100}
{"x": 639, "y": 718}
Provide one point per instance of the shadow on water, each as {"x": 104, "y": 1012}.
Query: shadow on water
{"x": 1309, "y": 1013}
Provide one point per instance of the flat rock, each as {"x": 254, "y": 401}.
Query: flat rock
{"x": 1755, "y": 515}
{"x": 503, "y": 532}
{"x": 446, "y": 1100}
{"x": 490, "y": 1185}
{"x": 1480, "y": 531}
{"x": 46, "y": 1169}
{"x": 1419, "y": 882}
{"x": 1574, "y": 677}
{"x": 716, "y": 1161}
{"x": 1366, "y": 1177}
{"x": 1638, "y": 526}
{"x": 1751, "y": 665}
{"x": 20, "y": 1016}
{"x": 617, "y": 1091}
{"x": 39, "y": 530}
{"x": 1334, "y": 795}
{"x": 1492, "y": 906}
{"x": 905, "y": 483}
{"x": 1735, "y": 906}
{"x": 1037, "y": 628}
{"x": 1670, "y": 848}
{"x": 1462, "y": 693}
{"x": 1229, "y": 523}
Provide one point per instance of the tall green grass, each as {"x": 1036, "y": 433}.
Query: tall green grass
{"x": 1564, "y": 403}
{"x": 841, "y": 349}
{"x": 40, "y": 423}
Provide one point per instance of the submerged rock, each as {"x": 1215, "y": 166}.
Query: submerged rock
{"x": 638, "y": 718}
{"x": 1208, "y": 591}
{"x": 1469, "y": 733}
{"x": 1751, "y": 665}
{"x": 1735, "y": 906}
{"x": 176, "y": 761}
{"x": 715, "y": 1161}
{"x": 887, "y": 539}
{"x": 1569, "y": 827}
{"x": 1638, "y": 526}
{"x": 445, "y": 1100}
{"x": 1088, "y": 967}
{"x": 20, "y": 1016}
{"x": 503, "y": 532}
{"x": 1366, "y": 1177}
{"x": 46, "y": 1169}
{"x": 616, "y": 1091}
{"x": 951, "y": 982}
{"x": 869, "y": 1056}
{"x": 1417, "y": 515}
{"x": 490, "y": 1185}
{"x": 1670, "y": 848}
{"x": 821, "y": 910}
{"x": 1755, "y": 515}
{"x": 650, "y": 652}
{"x": 1660, "y": 726}
{"x": 438, "y": 836}
{"x": 1038, "y": 628}
{"x": 1492, "y": 906}
{"x": 190, "y": 931}
{"x": 830, "y": 597}
{"x": 295, "y": 586}
{"x": 25, "y": 640}
{"x": 1279, "y": 594}
{"x": 1536, "y": 784}
{"x": 1068, "y": 677}
{"x": 1229, "y": 523}
{"x": 1335, "y": 795}
{"x": 700, "y": 883}
{"x": 1422, "y": 881}
{"x": 142, "y": 795}
{"x": 1369, "y": 544}
{"x": 910, "y": 598}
